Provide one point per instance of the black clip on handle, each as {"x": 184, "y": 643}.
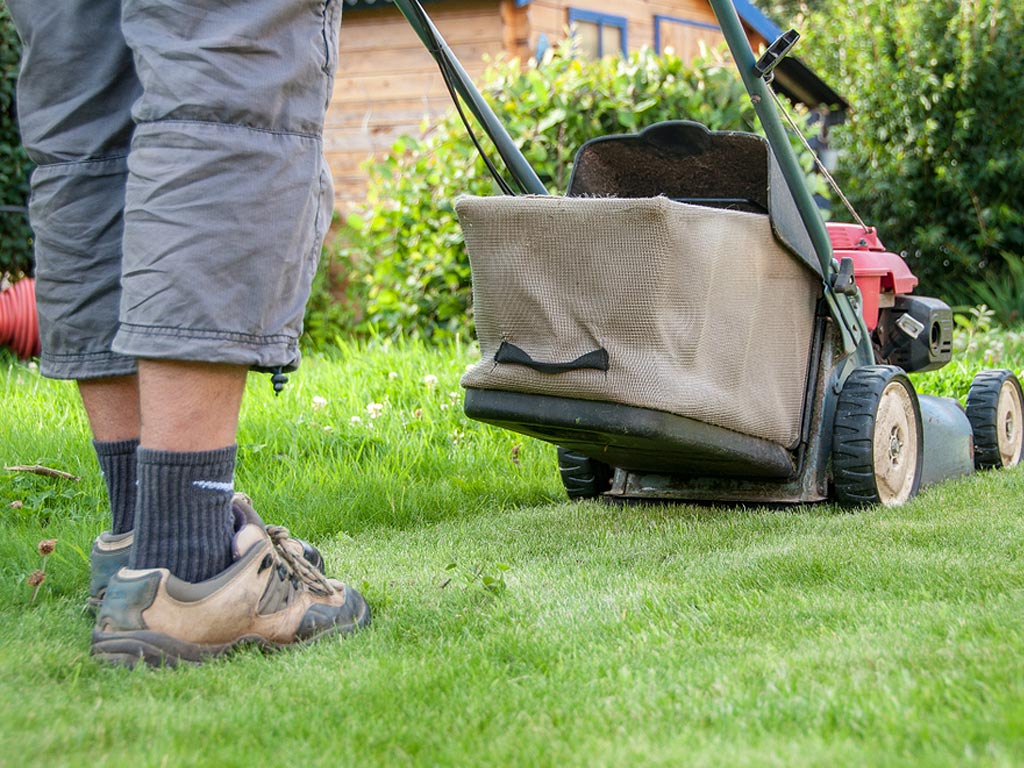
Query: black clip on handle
{"x": 777, "y": 51}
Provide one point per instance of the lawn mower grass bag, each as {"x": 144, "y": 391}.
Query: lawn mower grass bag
{"x": 649, "y": 303}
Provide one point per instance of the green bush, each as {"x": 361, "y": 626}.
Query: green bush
{"x": 415, "y": 276}
{"x": 333, "y": 310}
{"x": 15, "y": 235}
{"x": 932, "y": 153}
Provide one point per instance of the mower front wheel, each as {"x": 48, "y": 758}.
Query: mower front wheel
{"x": 877, "y": 438}
{"x": 582, "y": 476}
{"x": 995, "y": 409}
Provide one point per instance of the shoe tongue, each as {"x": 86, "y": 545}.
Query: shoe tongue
{"x": 246, "y": 538}
{"x": 245, "y": 514}
{"x": 249, "y": 528}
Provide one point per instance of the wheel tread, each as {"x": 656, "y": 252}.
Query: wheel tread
{"x": 983, "y": 413}
{"x": 582, "y": 476}
{"x": 853, "y": 469}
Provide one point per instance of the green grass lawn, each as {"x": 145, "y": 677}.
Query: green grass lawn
{"x": 514, "y": 628}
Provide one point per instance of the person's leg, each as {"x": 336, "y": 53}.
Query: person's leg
{"x": 189, "y": 406}
{"x": 112, "y": 406}
{"x": 184, "y": 520}
{"x": 77, "y": 131}
{"x": 189, "y": 535}
{"x": 227, "y": 204}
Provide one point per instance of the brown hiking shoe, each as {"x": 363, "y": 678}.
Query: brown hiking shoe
{"x": 110, "y": 553}
{"x": 270, "y": 596}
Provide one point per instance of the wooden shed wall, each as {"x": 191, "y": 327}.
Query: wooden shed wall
{"x": 387, "y": 83}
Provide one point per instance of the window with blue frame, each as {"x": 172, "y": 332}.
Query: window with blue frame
{"x": 598, "y": 34}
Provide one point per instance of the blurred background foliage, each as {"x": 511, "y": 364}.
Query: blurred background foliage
{"x": 15, "y": 235}
{"x": 932, "y": 152}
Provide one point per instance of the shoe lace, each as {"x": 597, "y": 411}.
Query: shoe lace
{"x": 299, "y": 566}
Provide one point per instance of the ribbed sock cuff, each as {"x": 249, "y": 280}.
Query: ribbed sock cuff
{"x": 117, "y": 463}
{"x": 183, "y": 520}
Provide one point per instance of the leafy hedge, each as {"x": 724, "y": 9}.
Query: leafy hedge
{"x": 932, "y": 153}
{"x": 410, "y": 261}
{"x": 15, "y": 235}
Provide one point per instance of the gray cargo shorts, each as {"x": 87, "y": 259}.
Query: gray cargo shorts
{"x": 181, "y": 197}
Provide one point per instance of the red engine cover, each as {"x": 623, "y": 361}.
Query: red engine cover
{"x": 876, "y": 270}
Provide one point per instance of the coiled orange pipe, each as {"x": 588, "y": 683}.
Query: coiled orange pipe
{"x": 19, "y": 326}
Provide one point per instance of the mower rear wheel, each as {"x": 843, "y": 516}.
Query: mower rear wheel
{"x": 877, "y": 438}
{"x": 995, "y": 409}
{"x": 582, "y": 476}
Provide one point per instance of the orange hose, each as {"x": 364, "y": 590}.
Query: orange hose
{"x": 19, "y": 326}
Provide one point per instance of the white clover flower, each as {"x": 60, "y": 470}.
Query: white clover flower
{"x": 355, "y": 420}
{"x": 319, "y": 403}
{"x": 393, "y": 375}
{"x": 375, "y": 409}
{"x": 430, "y": 380}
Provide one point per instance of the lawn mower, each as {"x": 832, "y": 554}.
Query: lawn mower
{"x": 684, "y": 325}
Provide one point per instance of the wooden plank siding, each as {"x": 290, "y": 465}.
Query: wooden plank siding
{"x": 387, "y": 83}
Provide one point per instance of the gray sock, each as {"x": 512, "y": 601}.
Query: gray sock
{"x": 184, "y": 521}
{"x": 117, "y": 463}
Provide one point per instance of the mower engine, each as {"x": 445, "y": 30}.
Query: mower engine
{"x": 913, "y": 332}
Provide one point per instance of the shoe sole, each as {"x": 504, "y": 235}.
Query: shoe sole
{"x": 155, "y": 649}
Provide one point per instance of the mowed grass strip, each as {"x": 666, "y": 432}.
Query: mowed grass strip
{"x": 513, "y": 628}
